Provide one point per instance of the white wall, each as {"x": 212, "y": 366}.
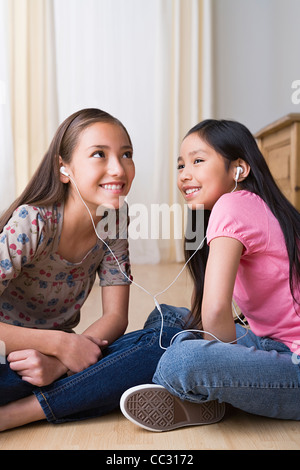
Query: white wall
{"x": 136, "y": 59}
{"x": 256, "y": 59}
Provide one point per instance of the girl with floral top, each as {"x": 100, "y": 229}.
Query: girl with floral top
{"x": 49, "y": 258}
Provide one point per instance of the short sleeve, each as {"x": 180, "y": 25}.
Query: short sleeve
{"x": 109, "y": 272}
{"x": 19, "y": 242}
{"x": 242, "y": 216}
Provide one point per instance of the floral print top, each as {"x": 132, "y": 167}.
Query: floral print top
{"x": 40, "y": 289}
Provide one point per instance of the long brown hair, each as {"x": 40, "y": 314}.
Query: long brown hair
{"x": 45, "y": 187}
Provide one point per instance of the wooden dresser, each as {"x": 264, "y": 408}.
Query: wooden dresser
{"x": 279, "y": 143}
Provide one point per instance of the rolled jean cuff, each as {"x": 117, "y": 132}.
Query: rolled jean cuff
{"x": 45, "y": 406}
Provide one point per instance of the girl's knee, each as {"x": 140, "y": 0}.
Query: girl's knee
{"x": 186, "y": 362}
{"x": 174, "y": 366}
{"x": 172, "y": 316}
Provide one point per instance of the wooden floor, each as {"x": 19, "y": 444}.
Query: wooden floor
{"x": 113, "y": 432}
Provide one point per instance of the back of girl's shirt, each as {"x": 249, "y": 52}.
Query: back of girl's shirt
{"x": 262, "y": 289}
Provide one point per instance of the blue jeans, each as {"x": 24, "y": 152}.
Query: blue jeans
{"x": 129, "y": 361}
{"x": 257, "y": 375}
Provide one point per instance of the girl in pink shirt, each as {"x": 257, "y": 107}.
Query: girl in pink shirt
{"x": 251, "y": 255}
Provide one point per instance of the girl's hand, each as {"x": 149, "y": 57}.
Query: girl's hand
{"x": 40, "y": 369}
{"x": 77, "y": 352}
{"x": 35, "y": 367}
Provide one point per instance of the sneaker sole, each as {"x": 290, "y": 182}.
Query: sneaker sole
{"x": 153, "y": 408}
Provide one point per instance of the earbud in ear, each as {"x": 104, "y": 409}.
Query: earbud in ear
{"x": 63, "y": 171}
{"x": 239, "y": 171}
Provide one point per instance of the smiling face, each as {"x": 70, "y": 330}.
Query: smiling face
{"x": 102, "y": 165}
{"x": 202, "y": 174}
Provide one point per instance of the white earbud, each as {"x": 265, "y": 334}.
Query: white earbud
{"x": 63, "y": 171}
{"x": 239, "y": 171}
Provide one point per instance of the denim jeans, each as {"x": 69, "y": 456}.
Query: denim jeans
{"x": 129, "y": 361}
{"x": 257, "y": 375}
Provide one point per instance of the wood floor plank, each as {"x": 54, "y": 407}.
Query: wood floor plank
{"x": 239, "y": 431}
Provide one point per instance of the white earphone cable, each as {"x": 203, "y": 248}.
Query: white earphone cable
{"x": 163, "y": 291}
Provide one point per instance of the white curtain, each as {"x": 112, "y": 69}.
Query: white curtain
{"x": 7, "y": 180}
{"x": 140, "y": 60}
{"x": 33, "y": 83}
{"x": 207, "y": 62}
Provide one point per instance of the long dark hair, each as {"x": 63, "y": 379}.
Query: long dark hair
{"x": 45, "y": 187}
{"x": 233, "y": 140}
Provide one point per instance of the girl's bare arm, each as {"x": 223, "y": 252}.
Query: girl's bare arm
{"x": 76, "y": 352}
{"x": 114, "y": 321}
{"x": 222, "y": 265}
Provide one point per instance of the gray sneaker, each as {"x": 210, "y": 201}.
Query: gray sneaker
{"x": 152, "y": 407}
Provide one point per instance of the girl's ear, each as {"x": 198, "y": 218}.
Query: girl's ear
{"x": 245, "y": 167}
{"x": 63, "y": 172}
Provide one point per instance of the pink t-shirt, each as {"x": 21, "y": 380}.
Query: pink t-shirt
{"x": 262, "y": 289}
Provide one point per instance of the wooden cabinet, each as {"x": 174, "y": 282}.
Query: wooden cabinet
{"x": 279, "y": 143}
